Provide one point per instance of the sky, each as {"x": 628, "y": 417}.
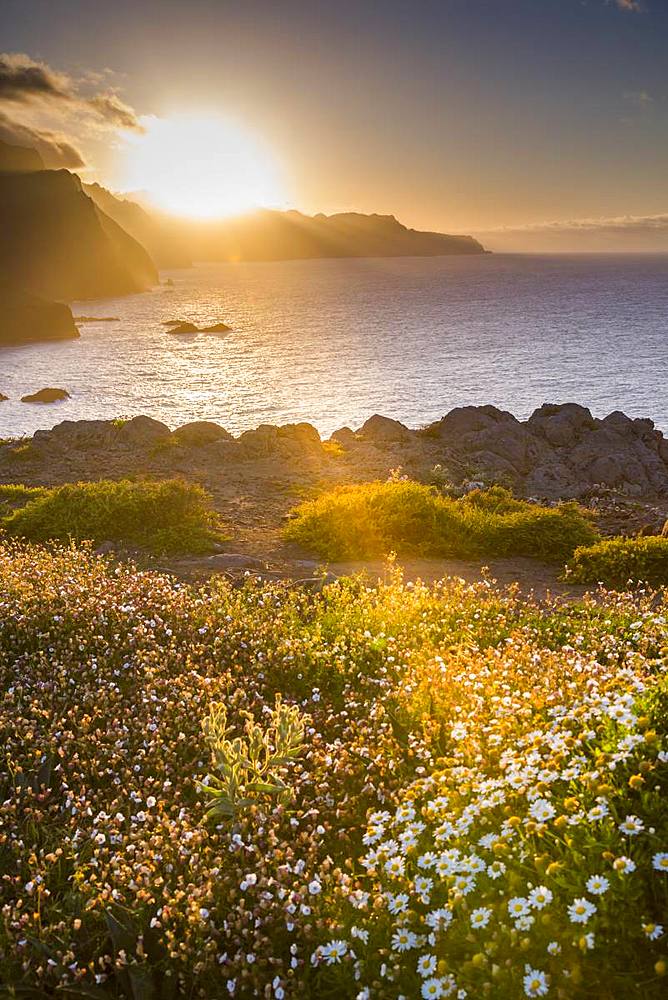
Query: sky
{"x": 504, "y": 116}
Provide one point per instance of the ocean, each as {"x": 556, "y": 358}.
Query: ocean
{"x": 334, "y": 341}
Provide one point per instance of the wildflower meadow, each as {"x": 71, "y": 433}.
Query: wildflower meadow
{"x": 387, "y": 791}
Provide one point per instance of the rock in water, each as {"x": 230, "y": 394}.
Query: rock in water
{"x": 216, "y": 328}
{"x": 26, "y": 318}
{"x": 183, "y": 328}
{"x": 3, "y": 397}
{"x": 46, "y": 396}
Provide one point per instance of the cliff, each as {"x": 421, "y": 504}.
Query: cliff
{"x": 59, "y": 244}
{"x": 162, "y": 236}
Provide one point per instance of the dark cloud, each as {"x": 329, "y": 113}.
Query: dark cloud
{"x": 22, "y": 79}
{"x": 27, "y": 82}
{"x": 56, "y": 150}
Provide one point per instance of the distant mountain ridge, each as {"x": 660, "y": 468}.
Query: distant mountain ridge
{"x": 273, "y": 235}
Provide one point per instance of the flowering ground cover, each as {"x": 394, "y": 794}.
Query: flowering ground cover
{"x": 391, "y": 791}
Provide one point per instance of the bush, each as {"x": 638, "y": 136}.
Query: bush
{"x": 169, "y": 516}
{"x": 409, "y": 518}
{"x": 618, "y": 561}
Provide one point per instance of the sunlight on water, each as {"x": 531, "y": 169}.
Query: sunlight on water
{"x": 333, "y": 341}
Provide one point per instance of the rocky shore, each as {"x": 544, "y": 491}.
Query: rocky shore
{"x": 561, "y": 451}
{"x": 618, "y": 466}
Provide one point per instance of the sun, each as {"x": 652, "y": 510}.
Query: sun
{"x": 203, "y": 167}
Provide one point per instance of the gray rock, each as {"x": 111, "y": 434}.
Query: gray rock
{"x": 143, "y": 432}
{"x": 382, "y": 430}
{"x": 200, "y": 432}
{"x": 345, "y": 437}
{"x": 560, "y": 424}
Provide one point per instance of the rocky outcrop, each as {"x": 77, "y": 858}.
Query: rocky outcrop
{"x": 57, "y": 243}
{"x": 26, "y": 318}
{"x": 291, "y": 440}
{"x": 561, "y": 451}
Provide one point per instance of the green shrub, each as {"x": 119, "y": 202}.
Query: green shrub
{"x": 617, "y": 561}
{"x": 169, "y": 516}
{"x": 409, "y": 518}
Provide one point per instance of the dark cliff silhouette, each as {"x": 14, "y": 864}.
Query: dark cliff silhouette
{"x": 57, "y": 243}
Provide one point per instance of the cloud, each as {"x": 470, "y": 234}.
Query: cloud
{"x": 33, "y": 84}
{"x": 630, "y": 5}
{"x": 115, "y": 112}
{"x": 24, "y": 80}
{"x": 55, "y": 149}
{"x": 631, "y": 233}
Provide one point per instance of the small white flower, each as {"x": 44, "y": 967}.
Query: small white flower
{"x": 653, "y": 931}
{"x": 535, "y": 982}
{"x": 541, "y": 810}
{"x": 632, "y": 826}
{"x": 660, "y": 861}
{"x": 480, "y": 917}
{"x": 426, "y": 965}
{"x": 540, "y": 897}
{"x": 404, "y": 940}
{"x": 597, "y": 885}
{"x": 518, "y": 906}
{"x": 581, "y": 910}
{"x": 554, "y": 948}
{"x": 314, "y": 887}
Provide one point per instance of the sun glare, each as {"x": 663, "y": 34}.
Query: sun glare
{"x": 203, "y": 167}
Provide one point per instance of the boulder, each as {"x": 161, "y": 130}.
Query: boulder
{"x": 199, "y": 433}
{"x": 259, "y": 442}
{"x": 46, "y": 396}
{"x": 3, "y": 397}
{"x": 560, "y": 423}
{"x": 292, "y": 440}
{"x": 345, "y": 437}
{"x": 464, "y": 420}
{"x": 382, "y": 430}
{"x": 143, "y": 432}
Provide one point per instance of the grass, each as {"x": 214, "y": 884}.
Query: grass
{"x": 373, "y": 519}
{"x": 168, "y": 516}
{"x": 618, "y": 562}
{"x": 500, "y": 751}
